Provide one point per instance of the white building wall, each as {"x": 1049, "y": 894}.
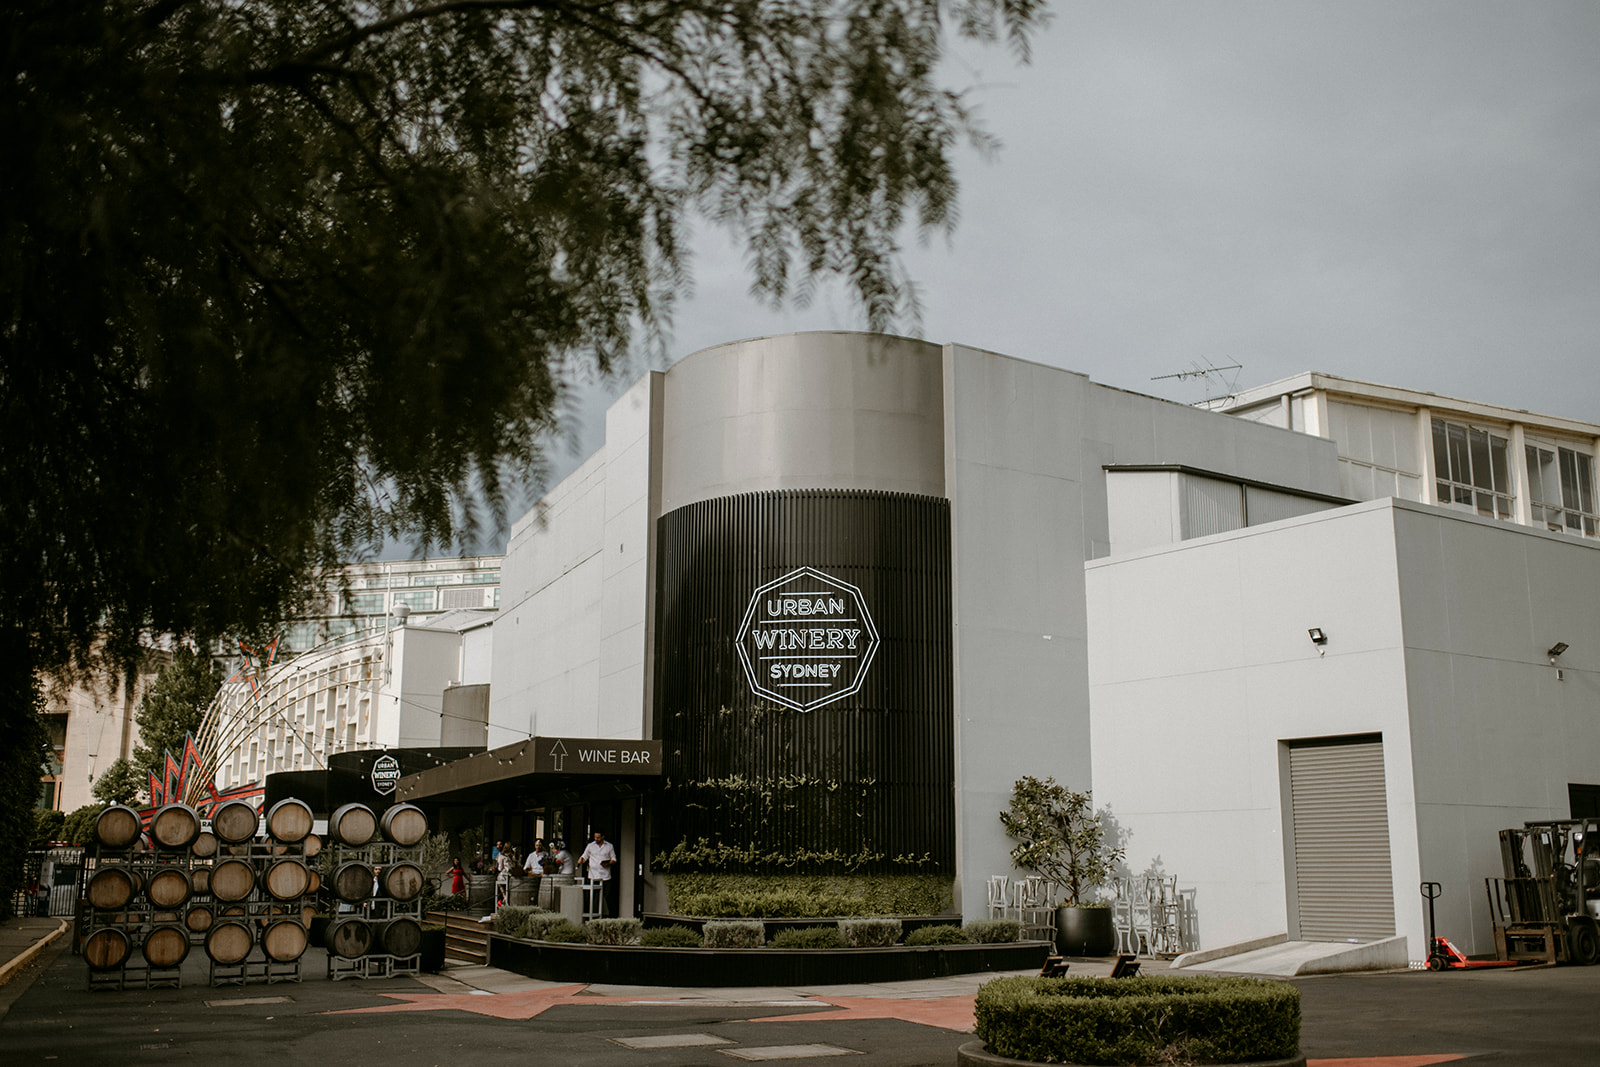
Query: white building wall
{"x": 1437, "y": 628}
{"x": 1026, "y": 447}
{"x": 425, "y": 662}
{"x": 1202, "y": 667}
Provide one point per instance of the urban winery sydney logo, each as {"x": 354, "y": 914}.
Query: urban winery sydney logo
{"x": 806, "y": 639}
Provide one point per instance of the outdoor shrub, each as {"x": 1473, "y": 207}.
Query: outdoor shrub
{"x": 540, "y": 924}
{"x": 993, "y": 931}
{"x": 938, "y": 935}
{"x": 869, "y": 933}
{"x": 613, "y": 931}
{"x": 670, "y": 937}
{"x": 808, "y": 895}
{"x": 446, "y": 902}
{"x": 512, "y": 921}
{"x": 735, "y": 933}
{"x": 809, "y": 937}
{"x": 565, "y": 932}
{"x": 1139, "y": 1020}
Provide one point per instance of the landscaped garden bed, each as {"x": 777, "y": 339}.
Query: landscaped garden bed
{"x": 739, "y": 952}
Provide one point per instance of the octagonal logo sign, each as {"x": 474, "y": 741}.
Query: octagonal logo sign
{"x": 806, "y": 639}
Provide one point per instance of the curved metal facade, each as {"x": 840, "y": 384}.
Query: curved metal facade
{"x": 864, "y": 780}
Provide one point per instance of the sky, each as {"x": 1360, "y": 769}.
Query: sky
{"x": 1399, "y": 192}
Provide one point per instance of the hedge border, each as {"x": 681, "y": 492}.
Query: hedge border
{"x": 1142, "y": 1020}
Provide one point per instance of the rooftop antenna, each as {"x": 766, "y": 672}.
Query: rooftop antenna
{"x": 1229, "y": 387}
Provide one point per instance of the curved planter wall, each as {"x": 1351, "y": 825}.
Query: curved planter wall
{"x": 553, "y": 962}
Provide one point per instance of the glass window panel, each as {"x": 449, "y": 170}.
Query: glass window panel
{"x": 1535, "y": 478}
{"x": 1443, "y": 491}
{"x": 1478, "y": 442}
{"x": 1460, "y": 461}
{"x": 1569, "y": 478}
{"x": 1441, "y": 454}
{"x": 1463, "y": 495}
{"x": 1497, "y": 458}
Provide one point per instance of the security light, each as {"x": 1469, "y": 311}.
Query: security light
{"x": 1556, "y": 650}
{"x": 1319, "y": 638}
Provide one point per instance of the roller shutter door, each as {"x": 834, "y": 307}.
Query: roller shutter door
{"x": 1343, "y": 884}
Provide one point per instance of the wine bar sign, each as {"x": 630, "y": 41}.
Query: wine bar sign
{"x": 806, "y": 639}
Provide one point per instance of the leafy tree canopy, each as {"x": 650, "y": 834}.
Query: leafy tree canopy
{"x": 171, "y": 708}
{"x": 120, "y": 784}
{"x": 1060, "y": 835}
{"x": 283, "y": 277}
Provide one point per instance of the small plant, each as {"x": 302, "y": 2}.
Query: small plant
{"x": 993, "y": 931}
{"x": 809, "y": 937}
{"x": 514, "y": 920}
{"x": 869, "y": 933}
{"x": 540, "y": 924}
{"x": 938, "y": 935}
{"x": 1060, "y": 836}
{"x": 565, "y": 932}
{"x": 735, "y": 933}
{"x": 674, "y": 936}
{"x": 446, "y": 902}
{"x": 613, "y": 931}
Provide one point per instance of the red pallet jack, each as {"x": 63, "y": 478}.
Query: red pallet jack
{"x": 1444, "y": 956}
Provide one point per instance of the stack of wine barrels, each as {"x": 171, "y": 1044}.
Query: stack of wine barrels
{"x": 377, "y": 886}
{"x": 260, "y": 881}
{"x": 138, "y": 895}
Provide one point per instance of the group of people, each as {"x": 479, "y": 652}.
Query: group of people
{"x": 598, "y": 863}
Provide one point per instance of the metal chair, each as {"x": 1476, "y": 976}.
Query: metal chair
{"x": 999, "y": 896}
{"x": 1035, "y": 908}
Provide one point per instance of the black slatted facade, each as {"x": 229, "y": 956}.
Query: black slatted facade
{"x": 869, "y": 774}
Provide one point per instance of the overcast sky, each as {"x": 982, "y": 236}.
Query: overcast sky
{"x": 1400, "y": 192}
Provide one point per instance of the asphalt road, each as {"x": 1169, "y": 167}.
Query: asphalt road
{"x": 1546, "y": 1017}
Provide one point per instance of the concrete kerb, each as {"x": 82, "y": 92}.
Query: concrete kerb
{"x": 1191, "y": 959}
{"x": 23, "y": 958}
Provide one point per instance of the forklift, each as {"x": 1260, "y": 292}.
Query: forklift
{"x": 1547, "y": 907}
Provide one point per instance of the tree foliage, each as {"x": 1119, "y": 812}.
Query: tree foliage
{"x": 23, "y": 747}
{"x": 171, "y": 708}
{"x": 1060, "y": 835}
{"x": 282, "y": 278}
{"x": 78, "y": 828}
{"x": 120, "y": 784}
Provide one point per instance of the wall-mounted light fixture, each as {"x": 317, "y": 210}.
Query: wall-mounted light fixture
{"x": 1554, "y": 652}
{"x": 1319, "y": 639}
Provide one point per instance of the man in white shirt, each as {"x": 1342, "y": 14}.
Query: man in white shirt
{"x": 597, "y": 861}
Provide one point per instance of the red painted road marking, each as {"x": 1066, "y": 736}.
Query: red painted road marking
{"x": 1388, "y": 1061}
{"x": 948, "y": 1013}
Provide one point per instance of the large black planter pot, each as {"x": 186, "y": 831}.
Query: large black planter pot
{"x": 432, "y": 949}
{"x": 1085, "y": 932}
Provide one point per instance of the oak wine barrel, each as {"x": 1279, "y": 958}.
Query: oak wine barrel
{"x": 231, "y": 912}
{"x": 234, "y": 822}
{"x": 106, "y": 949}
{"x": 402, "y": 881}
{"x": 204, "y": 846}
{"x": 168, "y": 917}
{"x": 307, "y": 913}
{"x": 289, "y": 820}
{"x": 232, "y": 880}
{"x": 402, "y": 937}
{"x": 353, "y": 824}
{"x": 174, "y": 827}
{"x": 311, "y": 845}
{"x": 198, "y": 919}
{"x": 284, "y": 940}
{"x": 200, "y": 877}
{"x": 111, "y": 888}
{"x": 167, "y": 946}
{"x": 352, "y": 882}
{"x": 168, "y": 888}
{"x": 287, "y": 879}
{"x": 117, "y": 827}
{"x": 349, "y": 939}
{"x": 316, "y": 881}
{"x": 405, "y": 825}
{"x": 229, "y": 941}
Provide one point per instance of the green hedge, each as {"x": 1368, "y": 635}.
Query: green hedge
{"x": 812, "y": 937}
{"x": 938, "y": 935}
{"x": 795, "y": 896}
{"x": 613, "y": 931}
{"x": 1139, "y": 1020}
{"x": 735, "y": 933}
{"x": 869, "y": 933}
{"x": 516, "y": 920}
{"x": 993, "y": 931}
{"x": 674, "y": 936}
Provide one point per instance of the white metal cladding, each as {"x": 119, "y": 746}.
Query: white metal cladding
{"x": 1343, "y": 882}
{"x": 1210, "y": 506}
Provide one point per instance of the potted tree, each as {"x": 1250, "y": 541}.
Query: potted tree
{"x": 1060, "y": 835}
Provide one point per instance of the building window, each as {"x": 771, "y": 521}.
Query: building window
{"x": 364, "y": 604}
{"x": 1473, "y": 469}
{"x": 416, "y": 600}
{"x": 1561, "y": 489}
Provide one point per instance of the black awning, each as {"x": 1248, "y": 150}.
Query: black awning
{"x": 538, "y": 763}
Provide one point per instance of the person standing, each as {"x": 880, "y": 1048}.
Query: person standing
{"x": 458, "y": 877}
{"x": 560, "y": 858}
{"x": 502, "y": 878}
{"x": 599, "y": 861}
